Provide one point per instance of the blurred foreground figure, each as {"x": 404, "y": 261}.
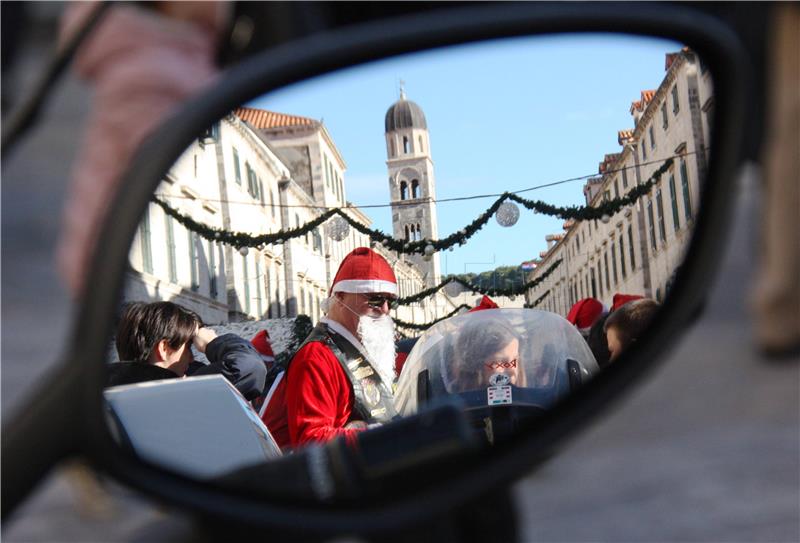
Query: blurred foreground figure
{"x": 142, "y": 63}
{"x": 776, "y": 298}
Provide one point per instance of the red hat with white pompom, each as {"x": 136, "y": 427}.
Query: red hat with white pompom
{"x": 364, "y": 271}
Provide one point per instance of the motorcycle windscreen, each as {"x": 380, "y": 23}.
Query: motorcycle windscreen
{"x": 199, "y": 426}
{"x": 496, "y": 357}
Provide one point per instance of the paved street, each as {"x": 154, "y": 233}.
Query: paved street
{"x": 707, "y": 449}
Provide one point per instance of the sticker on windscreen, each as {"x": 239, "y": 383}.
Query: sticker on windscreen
{"x": 498, "y": 395}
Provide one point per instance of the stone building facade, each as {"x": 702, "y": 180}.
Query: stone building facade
{"x": 638, "y": 249}
{"x": 257, "y": 172}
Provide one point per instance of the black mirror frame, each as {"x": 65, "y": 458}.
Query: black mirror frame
{"x": 66, "y": 418}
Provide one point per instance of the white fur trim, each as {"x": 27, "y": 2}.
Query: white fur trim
{"x": 365, "y": 286}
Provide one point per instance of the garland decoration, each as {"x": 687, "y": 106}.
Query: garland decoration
{"x": 538, "y": 300}
{"x": 412, "y": 326}
{"x": 475, "y": 288}
{"x": 424, "y": 247}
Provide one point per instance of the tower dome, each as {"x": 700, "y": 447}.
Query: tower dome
{"x": 404, "y": 114}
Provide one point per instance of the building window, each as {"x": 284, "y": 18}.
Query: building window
{"x": 421, "y": 148}
{"x": 687, "y": 199}
{"x": 594, "y": 284}
{"x": 606, "y": 195}
{"x": 272, "y": 202}
{"x": 212, "y": 270}
{"x": 660, "y": 212}
{"x": 624, "y": 178}
{"x": 419, "y": 233}
{"x": 408, "y": 238}
{"x": 317, "y": 241}
{"x": 406, "y": 146}
{"x": 171, "y": 263}
{"x": 403, "y": 190}
{"x": 327, "y": 171}
{"x": 329, "y": 175}
{"x": 622, "y": 255}
{"x": 194, "y": 261}
{"x": 237, "y": 169}
{"x": 676, "y": 221}
{"x": 644, "y": 150}
{"x": 652, "y": 138}
{"x": 664, "y": 118}
{"x": 144, "y": 237}
{"x": 414, "y": 188}
{"x": 614, "y": 262}
{"x": 675, "y": 105}
{"x": 631, "y": 248}
{"x": 608, "y": 271}
{"x": 616, "y": 188}
{"x": 652, "y": 224}
{"x": 246, "y": 285}
{"x": 392, "y": 151}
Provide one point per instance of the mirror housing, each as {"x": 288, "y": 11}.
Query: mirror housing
{"x": 67, "y": 417}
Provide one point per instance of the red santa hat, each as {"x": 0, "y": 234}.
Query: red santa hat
{"x": 486, "y": 303}
{"x": 364, "y": 271}
{"x": 585, "y": 312}
{"x": 622, "y": 299}
{"x": 261, "y": 342}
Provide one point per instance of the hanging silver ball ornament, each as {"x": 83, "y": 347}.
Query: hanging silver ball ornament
{"x": 512, "y": 297}
{"x": 450, "y": 249}
{"x": 507, "y": 214}
{"x": 338, "y": 228}
{"x": 426, "y": 257}
{"x": 429, "y": 250}
{"x": 385, "y": 242}
{"x": 605, "y": 218}
{"x": 452, "y": 289}
{"x": 462, "y": 232}
{"x": 243, "y": 251}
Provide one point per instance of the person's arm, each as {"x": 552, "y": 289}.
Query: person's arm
{"x": 235, "y": 358}
{"x": 318, "y": 397}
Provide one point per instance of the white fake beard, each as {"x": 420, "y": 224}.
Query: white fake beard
{"x": 377, "y": 337}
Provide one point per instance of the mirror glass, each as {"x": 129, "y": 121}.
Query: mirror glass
{"x": 553, "y": 180}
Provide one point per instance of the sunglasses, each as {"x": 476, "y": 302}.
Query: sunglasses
{"x": 376, "y": 301}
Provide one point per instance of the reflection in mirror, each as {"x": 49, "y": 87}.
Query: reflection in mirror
{"x": 601, "y": 142}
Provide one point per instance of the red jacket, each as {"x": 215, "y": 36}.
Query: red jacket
{"x": 313, "y": 401}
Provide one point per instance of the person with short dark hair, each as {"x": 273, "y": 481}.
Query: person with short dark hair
{"x": 154, "y": 342}
{"x": 626, "y": 325}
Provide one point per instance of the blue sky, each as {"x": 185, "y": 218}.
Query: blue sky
{"x": 502, "y": 115}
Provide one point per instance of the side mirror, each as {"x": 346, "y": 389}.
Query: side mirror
{"x": 449, "y": 468}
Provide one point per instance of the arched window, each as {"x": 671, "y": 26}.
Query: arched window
{"x": 421, "y": 148}
{"x": 403, "y": 190}
{"x": 414, "y": 188}
{"x": 406, "y": 145}
{"x": 407, "y": 234}
{"x": 419, "y": 233}
{"x": 391, "y": 147}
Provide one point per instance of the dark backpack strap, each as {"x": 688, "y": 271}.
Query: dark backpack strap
{"x": 373, "y": 399}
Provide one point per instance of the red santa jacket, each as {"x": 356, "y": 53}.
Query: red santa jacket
{"x": 312, "y": 402}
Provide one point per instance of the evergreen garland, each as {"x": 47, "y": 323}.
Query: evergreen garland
{"x": 476, "y": 288}
{"x": 412, "y": 326}
{"x": 578, "y": 213}
{"x": 538, "y": 300}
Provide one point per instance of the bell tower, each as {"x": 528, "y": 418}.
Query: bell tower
{"x": 412, "y": 185}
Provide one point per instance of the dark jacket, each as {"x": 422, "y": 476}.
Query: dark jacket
{"x": 229, "y": 355}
